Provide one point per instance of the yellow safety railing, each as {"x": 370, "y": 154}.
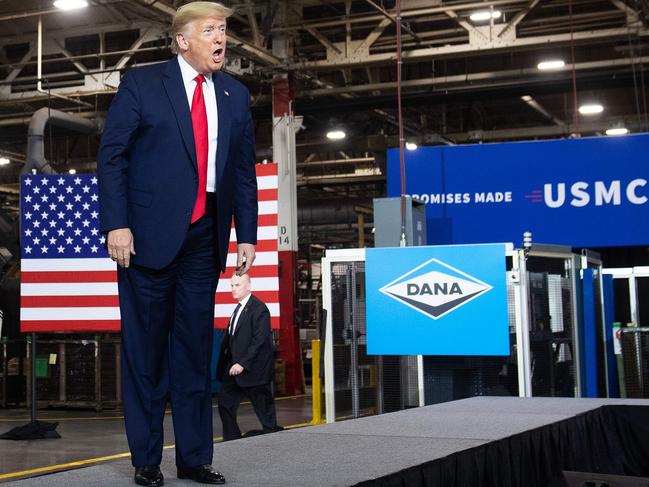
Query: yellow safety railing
{"x": 316, "y": 383}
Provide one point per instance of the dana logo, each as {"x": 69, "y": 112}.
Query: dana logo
{"x": 414, "y": 289}
{"x": 435, "y": 288}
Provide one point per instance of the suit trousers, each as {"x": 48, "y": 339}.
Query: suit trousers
{"x": 167, "y": 334}
{"x": 261, "y": 397}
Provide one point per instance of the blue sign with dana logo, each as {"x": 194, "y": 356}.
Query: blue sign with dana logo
{"x": 591, "y": 192}
{"x": 438, "y": 300}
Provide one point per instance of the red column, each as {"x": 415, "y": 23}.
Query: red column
{"x": 284, "y": 155}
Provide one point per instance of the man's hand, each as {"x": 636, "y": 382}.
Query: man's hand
{"x": 245, "y": 258}
{"x": 121, "y": 246}
{"x": 236, "y": 369}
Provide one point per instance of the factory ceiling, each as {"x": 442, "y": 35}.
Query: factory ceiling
{"x": 463, "y": 80}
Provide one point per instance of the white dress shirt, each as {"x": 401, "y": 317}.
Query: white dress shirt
{"x": 209, "y": 95}
{"x": 243, "y": 303}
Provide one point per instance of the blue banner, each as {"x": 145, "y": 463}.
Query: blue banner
{"x": 590, "y": 192}
{"x": 439, "y": 300}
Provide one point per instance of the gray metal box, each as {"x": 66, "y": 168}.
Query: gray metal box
{"x": 387, "y": 222}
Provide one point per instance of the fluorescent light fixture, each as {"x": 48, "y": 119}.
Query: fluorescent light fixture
{"x": 617, "y": 131}
{"x": 411, "y": 146}
{"x": 4, "y": 161}
{"x": 548, "y": 65}
{"x": 591, "y": 109}
{"x": 70, "y": 4}
{"x": 482, "y": 15}
{"x": 336, "y": 135}
{"x": 72, "y": 171}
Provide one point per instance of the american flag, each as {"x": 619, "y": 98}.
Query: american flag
{"x": 68, "y": 283}
{"x": 264, "y": 274}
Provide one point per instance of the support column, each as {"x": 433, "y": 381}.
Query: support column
{"x": 285, "y": 125}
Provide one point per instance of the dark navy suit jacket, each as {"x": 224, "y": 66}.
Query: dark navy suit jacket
{"x": 147, "y": 163}
{"x": 251, "y": 346}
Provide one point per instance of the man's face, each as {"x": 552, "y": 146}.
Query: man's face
{"x": 203, "y": 44}
{"x": 240, "y": 287}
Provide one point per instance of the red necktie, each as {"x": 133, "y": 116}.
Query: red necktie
{"x": 199, "y": 122}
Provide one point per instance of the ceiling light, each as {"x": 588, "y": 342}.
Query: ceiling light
{"x": 336, "y": 135}
{"x": 72, "y": 171}
{"x": 553, "y": 64}
{"x": 483, "y": 15}
{"x": 4, "y": 161}
{"x": 70, "y": 4}
{"x": 411, "y": 146}
{"x": 591, "y": 109}
{"x": 617, "y": 131}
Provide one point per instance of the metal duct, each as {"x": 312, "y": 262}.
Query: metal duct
{"x": 328, "y": 214}
{"x": 35, "y": 157}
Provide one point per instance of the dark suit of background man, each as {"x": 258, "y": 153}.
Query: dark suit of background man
{"x": 245, "y": 365}
{"x": 176, "y": 162}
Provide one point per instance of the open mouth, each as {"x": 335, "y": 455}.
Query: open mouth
{"x": 217, "y": 54}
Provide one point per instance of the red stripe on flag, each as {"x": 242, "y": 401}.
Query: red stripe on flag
{"x": 262, "y": 246}
{"x": 67, "y": 276}
{"x": 221, "y": 323}
{"x": 267, "y": 194}
{"x": 68, "y": 301}
{"x": 256, "y": 271}
{"x": 72, "y": 325}
{"x": 266, "y": 170}
{"x": 267, "y": 220}
{"x": 225, "y": 297}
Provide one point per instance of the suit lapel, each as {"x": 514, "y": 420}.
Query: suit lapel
{"x": 173, "y": 83}
{"x": 224, "y": 110}
{"x": 243, "y": 315}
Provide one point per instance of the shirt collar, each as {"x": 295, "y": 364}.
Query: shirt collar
{"x": 189, "y": 73}
{"x": 245, "y": 300}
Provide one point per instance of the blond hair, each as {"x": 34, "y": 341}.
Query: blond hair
{"x": 192, "y": 11}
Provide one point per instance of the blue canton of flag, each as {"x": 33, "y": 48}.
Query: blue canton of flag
{"x": 60, "y": 217}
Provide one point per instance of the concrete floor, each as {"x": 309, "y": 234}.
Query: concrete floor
{"x": 89, "y": 435}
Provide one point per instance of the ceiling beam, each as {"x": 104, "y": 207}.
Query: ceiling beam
{"x": 454, "y": 50}
{"x": 530, "y": 133}
{"x": 323, "y": 40}
{"x": 519, "y": 17}
{"x": 70, "y": 57}
{"x": 391, "y": 18}
{"x": 468, "y": 79}
{"x": 466, "y": 26}
{"x": 374, "y": 35}
{"x": 417, "y": 12}
{"x": 19, "y": 67}
{"x": 252, "y": 21}
{"x": 633, "y": 17}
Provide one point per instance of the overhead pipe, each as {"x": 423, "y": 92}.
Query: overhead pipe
{"x": 323, "y": 214}
{"x": 351, "y": 160}
{"x": 35, "y": 157}
{"x": 25, "y": 119}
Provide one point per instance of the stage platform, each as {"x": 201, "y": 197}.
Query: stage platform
{"x": 482, "y": 441}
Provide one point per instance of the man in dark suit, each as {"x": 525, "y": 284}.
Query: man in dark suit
{"x": 245, "y": 366}
{"x": 176, "y": 162}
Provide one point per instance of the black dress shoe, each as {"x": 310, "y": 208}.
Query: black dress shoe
{"x": 149, "y": 475}
{"x": 203, "y": 474}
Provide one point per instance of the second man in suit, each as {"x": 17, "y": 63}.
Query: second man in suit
{"x": 245, "y": 365}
